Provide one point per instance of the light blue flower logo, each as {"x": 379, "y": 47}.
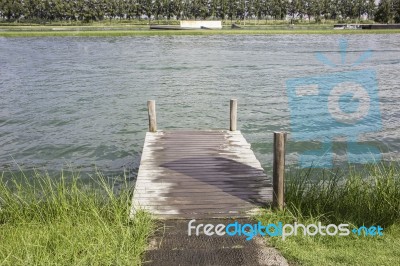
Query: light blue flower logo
{"x": 340, "y": 104}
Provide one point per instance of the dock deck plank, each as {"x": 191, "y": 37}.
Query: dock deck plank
{"x": 208, "y": 174}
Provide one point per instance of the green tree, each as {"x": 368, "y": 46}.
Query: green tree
{"x": 12, "y": 9}
{"x": 179, "y": 5}
{"x": 328, "y": 9}
{"x": 370, "y": 9}
{"x": 346, "y": 9}
{"x": 396, "y": 11}
{"x": 294, "y": 8}
{"x": 159, "y": 8}
{"x": 170, "y": 8}
{"x": 147, "y": 8}
{"x": 313, "y": 8}
{"x": 241, "y": 9}
{"x": 221, "y": 8}
{"x": 89, "y": 10}
{"x": 360, "y": 8}
{"x": 130, "y": 8}
{"x": 231, "y": 9}
{"x": 279, "y": 9}
{"x": 384, "y": 11}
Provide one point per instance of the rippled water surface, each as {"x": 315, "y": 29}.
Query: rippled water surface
{"x": 82, "y": 101}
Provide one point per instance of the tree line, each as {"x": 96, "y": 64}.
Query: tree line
{"x": 96, "y": 10}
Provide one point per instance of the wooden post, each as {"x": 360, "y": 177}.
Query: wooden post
{"x": 278, "y": 197}
{"x": 233, "y": 120}
{"x": 151, "y": 105}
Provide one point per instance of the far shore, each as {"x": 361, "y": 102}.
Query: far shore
{"x": 110, "y": 31}
{"x": 142, "y": 28}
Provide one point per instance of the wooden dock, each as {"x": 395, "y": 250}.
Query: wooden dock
{"x": 187, "y": 174}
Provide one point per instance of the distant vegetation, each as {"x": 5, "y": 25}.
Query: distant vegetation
{"x": 296, "y": 10}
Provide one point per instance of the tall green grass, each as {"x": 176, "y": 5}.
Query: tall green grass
{"x": 66, "y": 221}
{"x": 356, "y": 195}
{"x": 361, "y": 195}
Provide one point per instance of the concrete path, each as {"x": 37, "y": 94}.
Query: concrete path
{"x": 171, "y": 245}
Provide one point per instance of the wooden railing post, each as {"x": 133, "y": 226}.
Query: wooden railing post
{"x": 233, "y": 116}
{"x": 151, "y": 105}
{"x": 278, "y": 197}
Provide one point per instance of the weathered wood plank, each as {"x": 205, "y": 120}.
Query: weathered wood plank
{"x": 205, "y": 212}
{"x": 161, "y": 172}
{"x": 211, "y": 182}
{"x": 208, "y": 189}
{"x": 150, "y": 201}
{"x": 203, "y": 193}
{"x": 208, "y": 178}
{"x": 200, "y": 196}
{"x": 200, "y": 173}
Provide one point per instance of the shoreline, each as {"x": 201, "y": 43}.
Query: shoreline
{"x": 121, "y": 29}
{"x": 51, "y": 31}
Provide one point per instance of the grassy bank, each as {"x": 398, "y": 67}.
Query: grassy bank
{"x": 363, "y": 196}
{"x": 183, "y": 32}
{"x": 143, "y": 30}
{"x": 59, "y": 221}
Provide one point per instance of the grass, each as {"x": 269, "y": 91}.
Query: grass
{"x": 182, "y": 32}
{"x": 65, "y": 221}
{"x": 69, "y": 221}
{"x": 358, "y": 196}
{"x": 116, "y": 30}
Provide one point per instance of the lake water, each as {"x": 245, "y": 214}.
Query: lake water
{"x": 81, "y": 102}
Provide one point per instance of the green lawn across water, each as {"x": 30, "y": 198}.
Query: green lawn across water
{"x": 143, "y": 30}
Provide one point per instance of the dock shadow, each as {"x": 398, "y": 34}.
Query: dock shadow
{"x": 232, "y": 177}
